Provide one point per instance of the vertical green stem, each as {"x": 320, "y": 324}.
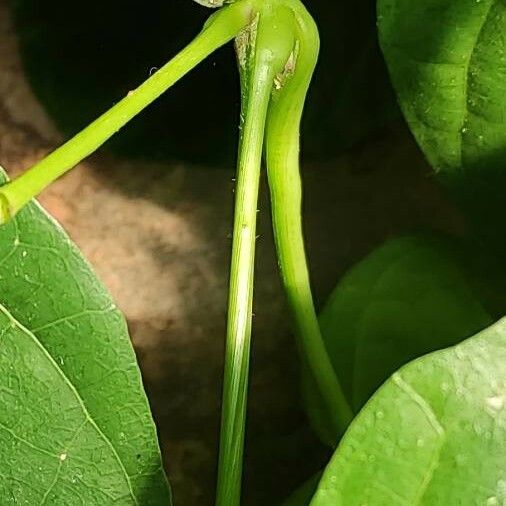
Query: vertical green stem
{"x": 268, "y": 47}
{"x": 223, "y": 26}
{"x": 282, "y": 145}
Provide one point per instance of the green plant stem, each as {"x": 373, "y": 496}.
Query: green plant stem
{"x": 282, "y": 146}
{"x": 222, "y": 27}
{"x": 263, "y": 52}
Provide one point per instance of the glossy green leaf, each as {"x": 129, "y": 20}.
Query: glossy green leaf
{"x": 75, "y": 424}
{"x": 447, "y": 62}
{"x": 407, "y": 298}
{"x": 434, "y": 434}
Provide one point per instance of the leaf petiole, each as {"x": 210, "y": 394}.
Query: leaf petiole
{"x": 221, "y": 27}
{"x": 282, "y": 153}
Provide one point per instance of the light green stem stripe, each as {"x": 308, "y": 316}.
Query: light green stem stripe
{"x": 223, "y": 26}
{"x": 282, "y": 145}
{"x": 266, "y": 55}
{"x": 240, "y": 300}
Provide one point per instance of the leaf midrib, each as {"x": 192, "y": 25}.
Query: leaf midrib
{"x": 432, "y": 418}
{"x": 467, "y": 69}
{"x": 59, "y": 371}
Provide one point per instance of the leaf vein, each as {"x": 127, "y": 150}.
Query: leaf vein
{"x": 435, "y": 424}
{"x": 25, "y": 441}
{"x": 84, "y": 312}
{"x": 466, "y": 81}
{"x": 76, "y": 394}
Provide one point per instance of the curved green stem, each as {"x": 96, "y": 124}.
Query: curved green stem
{"x": 222, "y": 27}
{"x": 282, "y": 145}
{"x": 263, "y": 51}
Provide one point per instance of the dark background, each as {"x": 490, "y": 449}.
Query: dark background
{"x": 83, "y": 57}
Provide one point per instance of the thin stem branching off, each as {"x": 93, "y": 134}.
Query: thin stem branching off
{"x": 282, "y": 149}
{"x": 222, "y": 27}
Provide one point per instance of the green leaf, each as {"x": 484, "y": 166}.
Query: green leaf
{"x": 352, "y": 91}
{"x": 434, "y": 434}
{"x": 407, "y": 298}
{"x": 75, "y": 425}
{"x": 448, "y": 66}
